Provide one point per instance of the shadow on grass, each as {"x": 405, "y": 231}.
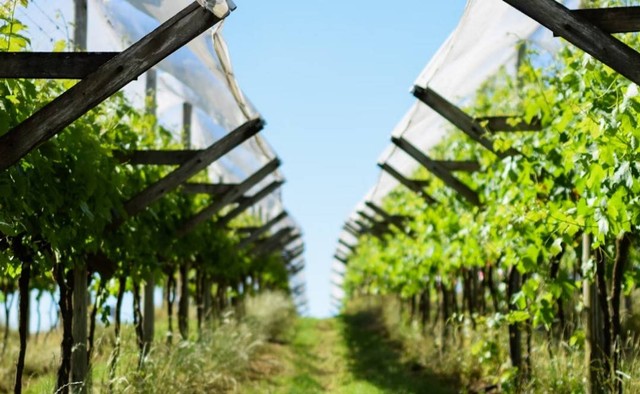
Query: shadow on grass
{"x": 375, "y": 358}
{"x": 305, "y": 361}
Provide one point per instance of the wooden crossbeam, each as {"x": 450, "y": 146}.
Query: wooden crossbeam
{"x": 249, "y": 202}
{"x": 280, "y": 244}
{"x": 583, "y": 33}
{"x": 364, "y": 215}
{"x": 294, "y": 255}
{"x": 397, "y": 221}
{"x": 497, "y": 124}
{"x": 155, "y": 157}
{"x": 51, "y": 65}
{"x": 266, "y": 245}
{"x": 438, "y": 171}
{"x": 232, "y": 196}
{"x": 257, "y": 233}
{"x": 351, "y": 231}
{"x": 612, "y": 20}
{"x": 413, "y": 185}
{"x": 462, "y": 166}
{"x": 191, "y": 167}
{"x": 346, "y": 245}
{"x": 296, "y": 270}
{"x": 340, "y": 259}
{"x": 213, "y": 189}
{"x": 457, "y": 117}
{"x": 104, "y": 82}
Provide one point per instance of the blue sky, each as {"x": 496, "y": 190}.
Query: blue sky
{"x": 332, "y": 82}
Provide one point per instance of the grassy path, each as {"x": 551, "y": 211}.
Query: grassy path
{"x": 349, "y": 355}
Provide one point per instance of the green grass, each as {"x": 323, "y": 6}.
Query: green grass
{"x": 350, "y": 354}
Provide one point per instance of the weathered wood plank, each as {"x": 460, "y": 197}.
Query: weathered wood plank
{"x": 51, "y": 65}
{"x": 413, "y": 185}
{"x": 213, "y": 189}
{"x": 231, "y": 197}
{"x": 497, "y": 124}
{"x": 462, "y": 166}
{"x": 351, "y": 231}
{"x": 346, "y": 245}
{"x": 612, "y": 20}
{"x": 257, "y": 233}
{"x": 587, "y": 36}
{"x": 438, "y": 171}
{"x": 191, "y": 167}
{"x": 104, "y": 82}
{"x": 457, "y": 117}
{"x": 249, "y": 202}
{"x": 278, "y": 241}
{"x": 397, "y": 221}
{"x": 340, "y": 259}
{"x": 155, "y": 157}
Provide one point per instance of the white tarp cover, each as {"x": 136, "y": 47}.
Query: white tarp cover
{"x": 200, "y": 74}
{"x": 485, "y": 40}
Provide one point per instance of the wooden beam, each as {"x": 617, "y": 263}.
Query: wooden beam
{"x": 262, "y": 230}
{"x": 497, "y": 124}
{"x": 155, "y": 157}
{"x": 278, "y": 241}
{"x": 340, "y": 259}
{"x": 51, "y": 65}
{"x": 458, "y": 118}
{"x": 397, "y": 221}
{"x": 213, "y": 189}
{"x": 294, "y": 255}
{"x": 296, "y": 270}
{"x": 346, "y": 245}
{"x": 612, "y": 20}
{"x": 352, "y": 231}
{"x": 230, "y": 197}
{"x": 104, "y": 82}
{"x": 191, "y": 167}
{"x": 438, "y": 171}
{"x": 579, "y": 31}
{"x": 246, "y": 204}
{"x": 462, "y": 166}
{"x": 413, "y": 185}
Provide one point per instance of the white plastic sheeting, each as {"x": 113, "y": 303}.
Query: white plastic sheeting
{"x": 485, "y": 41}
{"x": 199, "y": 74}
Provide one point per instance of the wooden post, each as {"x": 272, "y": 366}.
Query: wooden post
{"x": 79, "y": 354}
{"x": 593, "y": 327}
{"x": 148, "y": 320}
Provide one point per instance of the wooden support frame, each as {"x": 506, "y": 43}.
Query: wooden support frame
{"x": 462, "y": 165}
{"x": 249, "y": 202}
{"x": 273, "y": 241}
{"x": 282, "y": 243}
{"x": 156, "y": 157}
{"x": 438, "y": 171}
{"x": 346, "y": 245}
{"x": 507, "y": 124}
{"x": 458, "y": 118}
{"x": 234, "y": 195}
{"x": 296, "y": 270}
{"x": 413, "y": 185}
{"x": 397, "y": 221}
{"x": 254, "y": 235}
{"x": 213, "y": 189}
{"x": 191, "y": 167}
{"x": 612, "y": 20}
{"x": 340, "y": 259}
{"x": 104, "y": 82}
{"x": 580, "y": 30}
{"x": 51, "y": 65}
{"x": 353, "y": 230}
